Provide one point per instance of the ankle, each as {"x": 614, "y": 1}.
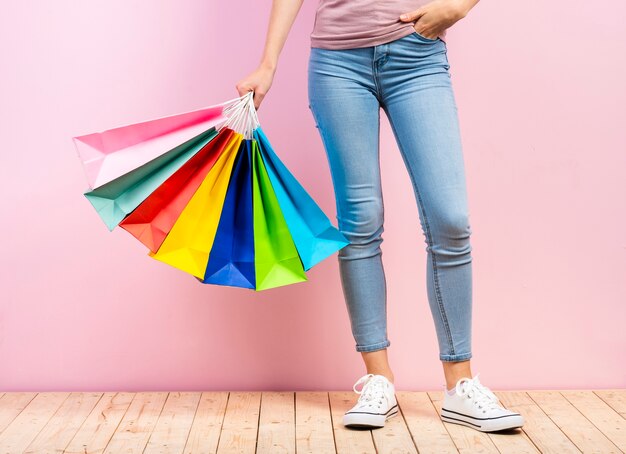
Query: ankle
{"x": 387, "y": 374}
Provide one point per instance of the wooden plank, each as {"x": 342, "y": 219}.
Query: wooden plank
{"x": 63, "y": 425}
{"x": 26, "y": 425}
{"x": 348, "y": 440}
{"x": 174, "y": 423}
{"x": 100, "y": 425}
{"x": 540, "y": 429}
{"x": 241, "y": 423}
{"x": 466, "y": 439}
{"x": 314, "y": 427}
{"x": 11, "y": 405}
{"x": 207, "y": 424}
{"x": 511, "y": 440}
{"x": 277, "y": 423}
{"x": 616, "y": 398}
{"x": 607, "y": 420}
{"x": 424, "y": 423}
{"x": 394, "y": 437}
{"x": 137, "y": 424}
{"x": 579, "y": 429}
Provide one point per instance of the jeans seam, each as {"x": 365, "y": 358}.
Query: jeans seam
{"x": 323, "y": 139}
{"x": 382, "y": 201}
{"x": 436, "y": 275}
{"x": 375, "y": 77}
{"x": 431, "y": 252}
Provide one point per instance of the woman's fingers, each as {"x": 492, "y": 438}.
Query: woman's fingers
{"x": 411, "y": 16}
{"x": 243, "y": 88}
{"x": 258, "y": 97}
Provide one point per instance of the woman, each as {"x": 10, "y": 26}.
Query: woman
{"x": 366, "y": 55}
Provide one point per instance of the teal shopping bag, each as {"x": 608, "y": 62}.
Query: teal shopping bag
{"x": 115, "y": 200}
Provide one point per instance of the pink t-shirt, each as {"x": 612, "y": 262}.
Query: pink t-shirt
{"x": 345, "y": 24}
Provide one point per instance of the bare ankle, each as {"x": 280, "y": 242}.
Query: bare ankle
{"x": 376, "y": 362}
{"x": 385, "y": 373}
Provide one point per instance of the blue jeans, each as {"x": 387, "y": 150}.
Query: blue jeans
{"x": 409, "y": 79}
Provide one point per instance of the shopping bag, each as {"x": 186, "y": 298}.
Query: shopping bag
{"x": 277, "y": 261}
{"x": 112, "y": 153}
{"x": 231, "y": 260}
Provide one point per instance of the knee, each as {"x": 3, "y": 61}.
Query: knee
{"x": 362, "y": 225}
{"x": 450, "y": 235}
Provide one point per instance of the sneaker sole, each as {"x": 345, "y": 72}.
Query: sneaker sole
{"x": 368, "y": 420}
{"x": 484, "y": 425}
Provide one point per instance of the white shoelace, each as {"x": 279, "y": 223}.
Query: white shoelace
{"x": 373, "y": 388}
{"x": 481, "y": 395}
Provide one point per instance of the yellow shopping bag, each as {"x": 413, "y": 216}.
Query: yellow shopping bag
{"x": 189, "y": 242}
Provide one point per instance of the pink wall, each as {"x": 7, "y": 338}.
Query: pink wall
{"x": 540, "y": 90}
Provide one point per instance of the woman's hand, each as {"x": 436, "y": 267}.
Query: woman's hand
{"x": 260, "y": 80}
{"x": 434, "y": 17}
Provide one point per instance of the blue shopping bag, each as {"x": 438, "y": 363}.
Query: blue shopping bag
{"x": 231, "y": 259}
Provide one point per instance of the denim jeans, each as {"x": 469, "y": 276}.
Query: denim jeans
{"x": 409, "y": 79}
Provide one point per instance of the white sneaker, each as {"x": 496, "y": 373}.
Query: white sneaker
{"x": 475, "y": 406}
{"x": 377, "y": 402}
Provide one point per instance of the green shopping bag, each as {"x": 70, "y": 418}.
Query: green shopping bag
{"x": 277, "y": 262}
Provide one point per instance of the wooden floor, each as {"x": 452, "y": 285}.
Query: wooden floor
{"x": 302, "y": 422}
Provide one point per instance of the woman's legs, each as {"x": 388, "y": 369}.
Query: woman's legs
{"x": 409, "y": 78}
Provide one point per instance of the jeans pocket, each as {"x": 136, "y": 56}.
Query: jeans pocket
{"x": 423, "y": 38}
